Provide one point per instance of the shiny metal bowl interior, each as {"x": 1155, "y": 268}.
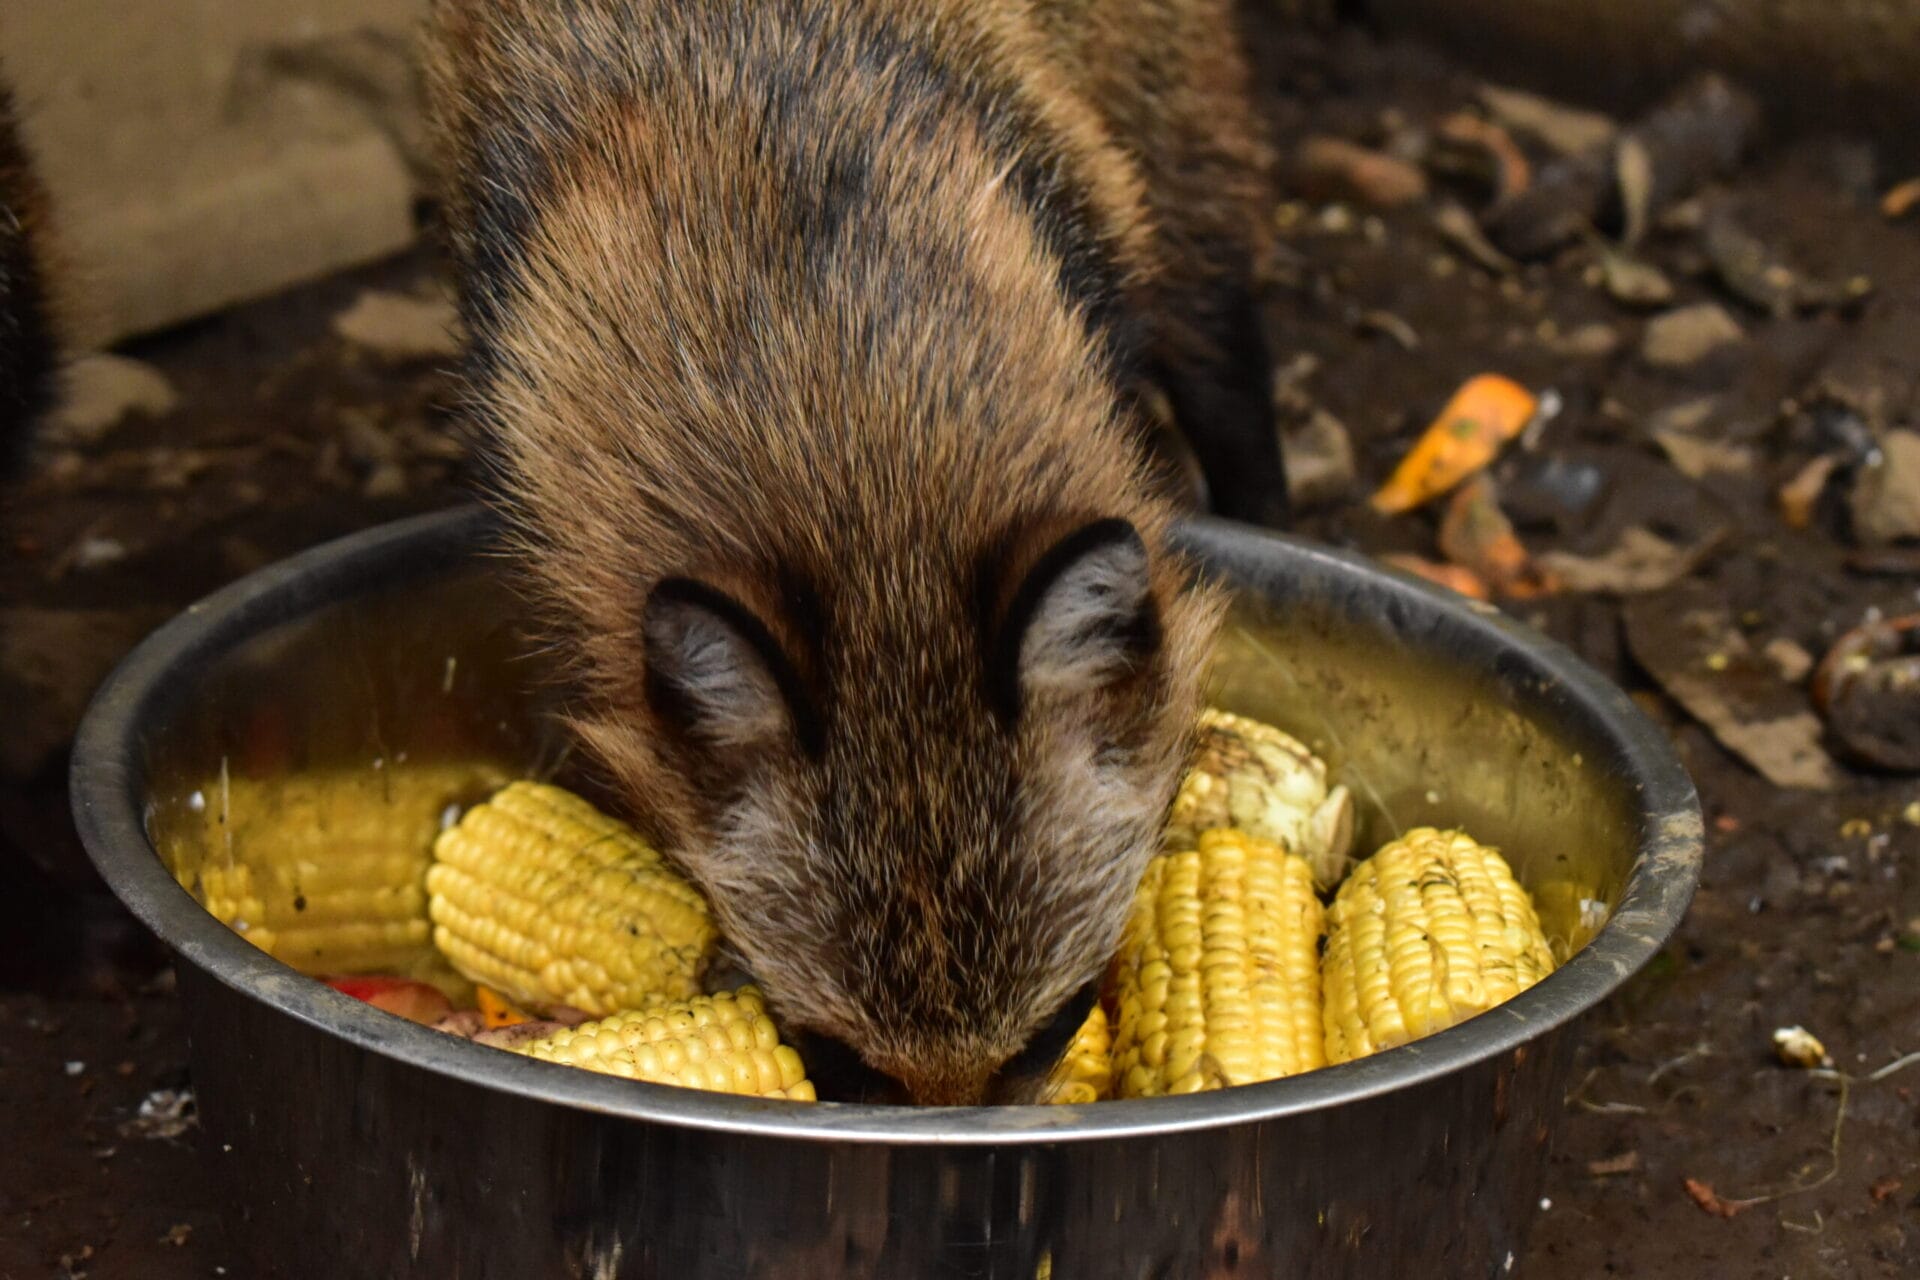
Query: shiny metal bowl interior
{"x": 397, "y": 648}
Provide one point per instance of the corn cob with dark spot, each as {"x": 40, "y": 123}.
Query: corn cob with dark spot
{"x": 1426, "y": 933}
{"x": 547, "y": 900}
{"x": 721, "y": 1043}
{"x": 327, "y": 871}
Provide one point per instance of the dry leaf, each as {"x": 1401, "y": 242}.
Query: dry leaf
{"x": 1625, "y": 1162}
{"x": 1335, "y": 169}
{"x": 1484, "y": 414}
{"x": 1632, "y": 282}
{"x": 1633, "y": 170}
{"x": 1461, "y": 230}
{"x": 1694, "y": 457}
{"x": 1687, "y": 640}
{"x": 1641, "y": 561}
{"x": 1688, "y": 335}
{"x": 1566, "y": 129}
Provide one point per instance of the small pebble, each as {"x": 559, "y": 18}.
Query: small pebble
{"x": 1798, "y": 1047}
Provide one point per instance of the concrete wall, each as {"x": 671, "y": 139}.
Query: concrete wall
{"x": 201, "y": 152}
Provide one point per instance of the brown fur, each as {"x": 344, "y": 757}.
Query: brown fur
{"x": 856, "y": 365}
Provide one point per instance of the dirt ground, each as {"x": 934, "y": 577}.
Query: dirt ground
{"x": 1689, "y": 1149}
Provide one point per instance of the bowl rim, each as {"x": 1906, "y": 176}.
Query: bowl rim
{"x": 106, "y": 787}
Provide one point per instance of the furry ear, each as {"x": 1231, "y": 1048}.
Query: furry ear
{"x": 715, "y": 670}
{"x": 1082, "y": 619}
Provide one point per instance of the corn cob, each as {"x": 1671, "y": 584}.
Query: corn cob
{"x": 326, "y": 871}
{"x": 1216, "y": 981}
{"x": 1085, "y": 1071}
{"x": 724, "y": 1043}
{"x": 1428, "y": 932}
{"x": 1251, "y": 776}
{"x": 547, "y": 900}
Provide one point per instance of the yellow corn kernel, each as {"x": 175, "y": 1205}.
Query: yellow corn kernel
{"x": 723, "y": 1043}
{"x": 545, "y": 899}
{"x": 326, "y": 870}
{"x": 1217, "y": 980}
{"x": 1429, "y": 931}
{"x": 1085, "y": 1071}
{"x": 1253, "y": 777}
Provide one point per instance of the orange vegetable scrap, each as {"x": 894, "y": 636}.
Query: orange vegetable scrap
{"x": 498, "y": 1010}
{"x": 1485, "y": 413}
{"x": 1451, "y": 576}
{"x": 1476, "y": 534}
{"x": 414, "y": 1001}
{"x": 1901, "y": 200}
{"x": 1512, "y": 172}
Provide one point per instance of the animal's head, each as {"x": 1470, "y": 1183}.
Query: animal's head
{"x": 920, "y": 802}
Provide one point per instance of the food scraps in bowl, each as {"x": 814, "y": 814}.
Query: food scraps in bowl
{"x": 1255, "y": 949}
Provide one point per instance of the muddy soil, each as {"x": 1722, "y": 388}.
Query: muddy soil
{"x": 1689, "y": 1149}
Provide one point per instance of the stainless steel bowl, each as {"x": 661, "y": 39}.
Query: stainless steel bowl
{"x": 357, "y": 1145}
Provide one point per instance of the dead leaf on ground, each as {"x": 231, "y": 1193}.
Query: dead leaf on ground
{"x": 1483, "y": 415}
{"x": 1791, "y": 660}
{"x": 1320, "y": 460}
{"x": 1694, "y": 457}
{"x": 1686, "y": 417}
{"x": 1711, "y": 1201}
{"x": 1640, "y": 562}
{"x": 1886, "y": 495}
{"x": 1403, "y": 334}
{"x": 1632, "y": 282}
{"x": 1587, "y": 341}
{"x": 1687, "y": 640}
{"x": 1688, "y": 335}
{"x": 1335, "y": 169}
{"x": 1633, "y": 171}
{"x": 1568, "y": 130}
{"x": 1625, "y": 1162}
{"x": 1747, "y": 267}
{"x": 1461, "y": 230}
